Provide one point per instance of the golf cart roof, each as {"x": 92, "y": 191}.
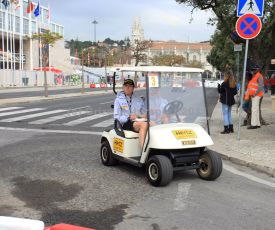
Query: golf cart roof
{"x": 164, "y": 69}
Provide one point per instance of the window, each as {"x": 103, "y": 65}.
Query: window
{"x": 34, "y": 27}
{"x": 194, "y": 58}
{"x": 62, "y": 30}
{"x": 17, "y": 24}
{"x": 25, "y": 6}
{"x": 45, "y": 16}
{"x": 2, "y": 20}
{"x": 53, "y": 28}
{"x": 26, "y": 26}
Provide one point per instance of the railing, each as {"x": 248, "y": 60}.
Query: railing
{"x": 12, "y": 57}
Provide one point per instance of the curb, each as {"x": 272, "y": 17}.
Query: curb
{"x": 256, "y": 167}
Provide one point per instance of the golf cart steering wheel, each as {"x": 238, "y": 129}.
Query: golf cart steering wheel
{"x": 173, "y": 107}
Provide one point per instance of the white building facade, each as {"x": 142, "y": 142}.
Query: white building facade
{"x": 18, "y": 51}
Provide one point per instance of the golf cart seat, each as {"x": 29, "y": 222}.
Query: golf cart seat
{"x": 124, "y": 133}
{"x": 131, "y": 134}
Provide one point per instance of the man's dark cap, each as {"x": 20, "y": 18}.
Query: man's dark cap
{"x": 129, "y": 82}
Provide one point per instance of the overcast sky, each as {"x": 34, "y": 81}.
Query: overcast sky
{"x": 161, "y": 19}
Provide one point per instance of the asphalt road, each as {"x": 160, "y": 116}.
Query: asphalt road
{"x": 40, "y": 92}
{"x": 58, "y": 177}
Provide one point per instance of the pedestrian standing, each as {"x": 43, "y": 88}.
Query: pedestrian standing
{"x": 227, "y": 91}
{"x": 255, "y": 91}
{"x": 272, "y": 84}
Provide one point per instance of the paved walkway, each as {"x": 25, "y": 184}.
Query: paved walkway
{"x": 256, "y": 149}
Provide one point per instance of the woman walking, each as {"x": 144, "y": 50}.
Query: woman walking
{"x": 227, "y": 91}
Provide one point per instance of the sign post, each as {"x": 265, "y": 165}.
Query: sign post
{"x": 248, "y": 27}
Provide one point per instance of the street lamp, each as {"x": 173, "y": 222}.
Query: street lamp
{"x": 95, "y": 23}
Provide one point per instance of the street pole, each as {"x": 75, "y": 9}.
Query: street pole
{"x": 238, "y": 66}
{"x": 95, "y": 23}
{"x": 242, "y": 91}
{"x": 82, "y": 77}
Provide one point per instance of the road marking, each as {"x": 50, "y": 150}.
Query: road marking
{"x": 86, "y": 119}
{"x": 52, "y": 131}
{"x": 10, "y": 108}
{"x": 108, "y": 102}
{"x": 21, "y": 118}
{"x": 59, "y": 117}
{"x": 250, "y": 177}
{"x": 20, "y": 111}
{"x": 180, "y": 200}
{"x": 104, "y": 124}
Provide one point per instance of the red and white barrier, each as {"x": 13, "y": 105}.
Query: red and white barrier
{"x": 66, "y": 227}
{"x": 12, "y": 223}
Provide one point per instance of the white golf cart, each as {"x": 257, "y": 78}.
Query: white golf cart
{"x": 176, "y": 138}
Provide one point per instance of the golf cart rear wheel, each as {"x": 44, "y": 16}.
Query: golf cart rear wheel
{"x": 159, "y": 170}
{"x": 211, "y": 166}
{"x": 106, "y": 154}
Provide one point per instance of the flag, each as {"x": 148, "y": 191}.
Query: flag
{"x": 37, "y": 11}
{"x": 30, "y": 7}
{"x": 6, "y": 3}
{"x": 16, "y": 3}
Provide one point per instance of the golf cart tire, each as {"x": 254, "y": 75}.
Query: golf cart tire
{"x": 106, "y": 154}
{"x": 159, "y": 170}
{"x": 211, "y": 166}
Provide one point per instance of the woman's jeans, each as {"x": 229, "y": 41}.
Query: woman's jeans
{"x": 227, "y": 114}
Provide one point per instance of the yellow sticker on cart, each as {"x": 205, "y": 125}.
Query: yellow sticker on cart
{"x": 184, "y": 134}
{"x": 118, "y": 145}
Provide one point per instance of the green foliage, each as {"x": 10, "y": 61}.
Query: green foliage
{"x": 47, "y": 38}
{"x": 261, "y": 49}
{"x": 168, "y": 60}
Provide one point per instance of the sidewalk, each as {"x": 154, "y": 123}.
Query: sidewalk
{"x": 256, "y": 149}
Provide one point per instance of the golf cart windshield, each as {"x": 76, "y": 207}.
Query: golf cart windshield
{"x": 173, "y": 94}
{"x": 176, "y": 97}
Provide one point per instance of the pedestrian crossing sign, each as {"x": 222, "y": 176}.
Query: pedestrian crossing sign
{"x": 250, "y": 7}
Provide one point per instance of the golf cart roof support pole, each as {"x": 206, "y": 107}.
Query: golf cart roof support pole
{"x": 205, "y": 103}
{"x": 148, "y": 112}
{"x": 114, "y": 83}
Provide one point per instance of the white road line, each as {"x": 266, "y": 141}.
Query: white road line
{"x": 86, "y": 119}
{"x": 10, "y": 108}
{"x": 104, "y": 124}
{"x": 20, "y": 111}
{"x": 180, "y": 200}
{"x": 52, "y": 131}
{"x": 108, "y": 102}
{"x": 250, "y": 177}
{"x": 58, "y": 117}
{"x": 25, "y": 117}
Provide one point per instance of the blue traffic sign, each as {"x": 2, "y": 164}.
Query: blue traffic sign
{"x": 250, "y": 7}
{"x": 248, "y": 26}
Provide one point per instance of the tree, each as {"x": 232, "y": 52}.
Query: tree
{"x": 261, "y": 49}
{"x": 46, "y": 39}
{"x": 168, "y": 60}
{"x": 138, "y": 50}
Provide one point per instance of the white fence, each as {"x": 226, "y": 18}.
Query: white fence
{"x": 17, "y": 78}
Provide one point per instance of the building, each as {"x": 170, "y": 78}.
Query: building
{"x": 19, "y": 52}
{"x": 192, "y": 52}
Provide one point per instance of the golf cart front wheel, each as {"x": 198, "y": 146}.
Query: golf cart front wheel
{"x": 106, "y": 155}
{"x": 210, "y": 166}
{"x": 159, "y": 170}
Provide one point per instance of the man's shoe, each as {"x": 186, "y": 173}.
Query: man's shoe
{"x": 253, "y": 127}
{"x": 231, "y": 129}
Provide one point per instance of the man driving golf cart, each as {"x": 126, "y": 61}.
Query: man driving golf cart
{"x": 129, "y": 110}
{"x": 172, "y": 127}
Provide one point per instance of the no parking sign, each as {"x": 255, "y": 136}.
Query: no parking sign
{"x": 248, "y": 26}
